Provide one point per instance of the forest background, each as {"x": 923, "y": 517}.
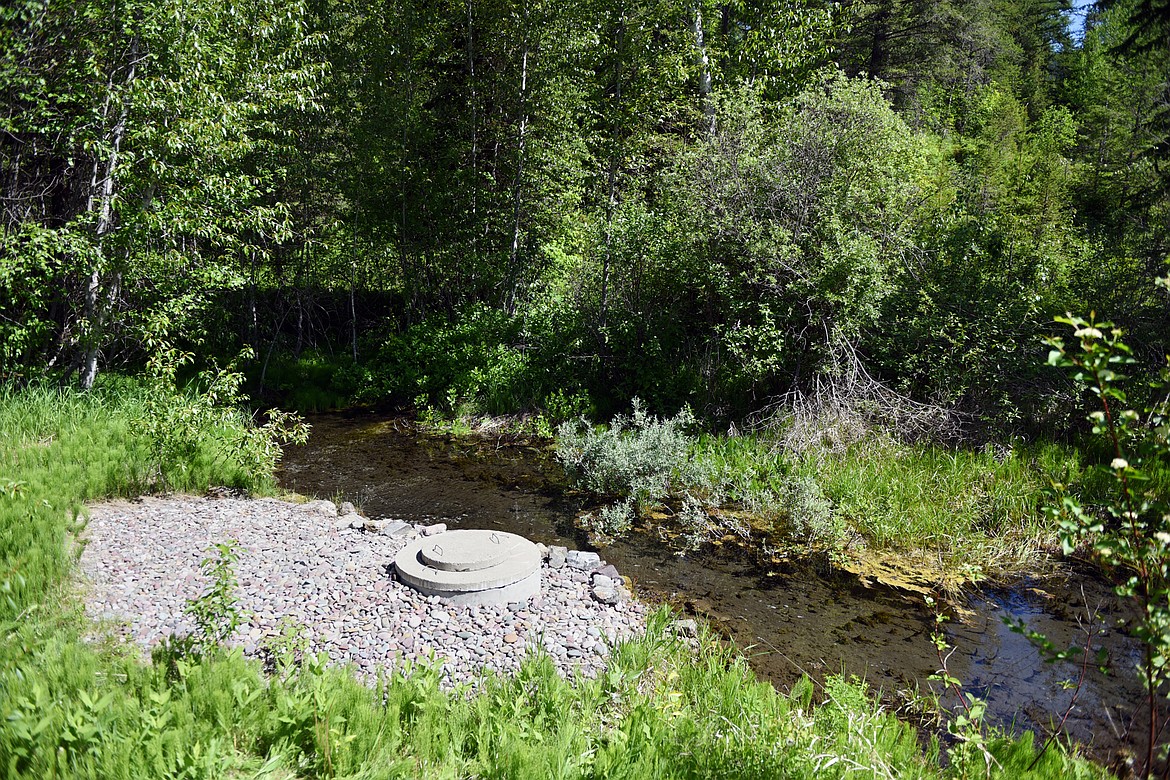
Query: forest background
{"x": 565, "y": 206}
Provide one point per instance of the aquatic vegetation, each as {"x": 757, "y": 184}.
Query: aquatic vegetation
{"x": 958, "y": 512}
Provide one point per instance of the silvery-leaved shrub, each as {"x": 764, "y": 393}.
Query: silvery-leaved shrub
{"x": 611, "y": 520}
{"x": 810, "y": 511}
{"x": 637, "y": 457}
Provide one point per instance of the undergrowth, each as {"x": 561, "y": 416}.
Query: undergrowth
{"x": 950, "y": 505}
{"x": 75, "y": 707}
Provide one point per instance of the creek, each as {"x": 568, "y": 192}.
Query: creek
{"x": 787, "y": 619}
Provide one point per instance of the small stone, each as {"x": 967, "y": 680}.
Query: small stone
{"x": 396, "y": 528}
{"x": 511, "y": 639}
{"x": 601, "y": 581}
{"x": 346, "y": 508}
{"x": 686, "y": 628}
{"x": 556, "y": 557}
{"x": 607, "y": 595}
{"x": 320, "y": 507}
{"x": 609, "y": 570}
{"x": 432, "y": 530}
{"x": 543, "y": 549}
{"x": 580, "y": 559}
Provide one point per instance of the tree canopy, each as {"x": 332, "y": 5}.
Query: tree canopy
{"x": 516, "y": 204}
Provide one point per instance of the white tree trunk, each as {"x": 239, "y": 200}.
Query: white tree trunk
{"x": 101, "y": 199}
{"x": 704, "y": 72}
{"x": 521, "y": 141}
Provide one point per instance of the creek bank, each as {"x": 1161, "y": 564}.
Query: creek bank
{"x": 328, "y": 577}
{"x": 788, "y": 617}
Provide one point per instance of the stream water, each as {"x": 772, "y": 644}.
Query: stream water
{"x": 788, "y": 621}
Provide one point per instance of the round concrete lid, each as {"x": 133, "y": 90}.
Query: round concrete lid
{"x": 522, "y": 563}
{"x": 469, "y": 550}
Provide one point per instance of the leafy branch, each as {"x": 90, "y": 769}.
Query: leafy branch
{"x": 1131, "y": 535}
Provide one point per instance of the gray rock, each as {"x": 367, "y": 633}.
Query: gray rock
{"x": 686, "y": 628}
{"x": 601, "y": 581}
{"x": 352, "y": 520}
{"x": 346, "y": 508}
{"x": 607, "y": 595}
{"x": 609, "y": 570}
{"x": 556, "y": 557}
{"x": 579, "y": 559}
{"x": 320, "y": 507}
{"x": 397, "y": 528}
{"x": 431, "y": 530}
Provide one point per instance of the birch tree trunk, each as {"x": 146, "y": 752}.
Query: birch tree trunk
{"x": 101, "y": 200}
{"x": 517, "y": 185}
{"x": 704, "y": 72}
{"x": 473, "y": 103}
{"x": 611, "y": 185}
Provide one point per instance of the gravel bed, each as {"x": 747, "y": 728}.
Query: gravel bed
{"x": 330, "y": 576}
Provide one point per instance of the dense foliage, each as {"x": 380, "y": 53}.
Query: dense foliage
{"x": 508, "y": 205}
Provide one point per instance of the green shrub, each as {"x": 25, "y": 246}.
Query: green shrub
{"x": 637, "y": 457}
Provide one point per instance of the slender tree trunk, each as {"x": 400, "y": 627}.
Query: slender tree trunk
{"x": 300, "y": 293}
{"x": 410, "y": 271}
{"x": 101, "y": 199}
{"x": 704, "y": 72}
{"x": 517, "y": 185}
{"x": 254, "y": 320}
{"x": 353, "y": 309}
{"x": 473, "y": 100}
{"x": 611, "y": 185}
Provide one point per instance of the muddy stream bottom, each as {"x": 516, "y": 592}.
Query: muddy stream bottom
{"x": 787, "y": 621}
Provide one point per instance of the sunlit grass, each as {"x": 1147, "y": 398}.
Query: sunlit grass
{"x": 953, "y": 505}
{"x": 60, "y": 448}
{"x": 955, "y": 502}
{"x": 663, "y": 708}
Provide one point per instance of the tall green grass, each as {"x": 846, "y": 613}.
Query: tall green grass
{"x": 73, "y": 707}
{"x": 952, "y": 504}
{"x": 60, "y": 448}
{"x": 956, "y": 504}
{"x": 661, "y": 710}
